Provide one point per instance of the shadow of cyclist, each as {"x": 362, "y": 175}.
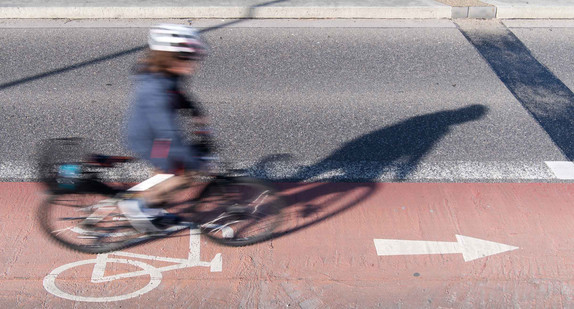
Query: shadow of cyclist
{"x": 399, "y": 147}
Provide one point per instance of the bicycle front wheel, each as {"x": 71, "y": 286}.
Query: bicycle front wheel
{"x": 89, "y": 223}
{"x": 239, "y": 211}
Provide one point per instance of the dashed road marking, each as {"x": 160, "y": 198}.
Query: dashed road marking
{"x": 371, "y": 171}
{"x": 562, "y": 169}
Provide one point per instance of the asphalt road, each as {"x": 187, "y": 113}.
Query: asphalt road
{"x": 343, "y": 100}
{"x": 428, "y": 101}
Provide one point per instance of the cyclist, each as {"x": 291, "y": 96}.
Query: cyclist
{"x": 152, "y": 130}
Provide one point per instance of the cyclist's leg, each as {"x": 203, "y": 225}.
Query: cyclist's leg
{"x": 181, "y": 162}
{"x": 141, "y": 210}
{"x": 144, "y": 210}
{"x": 161, "y": 193}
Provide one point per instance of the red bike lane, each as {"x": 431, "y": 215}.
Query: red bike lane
{"x": 358, "y": 245}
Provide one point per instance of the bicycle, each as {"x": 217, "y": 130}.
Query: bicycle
{"x": 81, "y": 211}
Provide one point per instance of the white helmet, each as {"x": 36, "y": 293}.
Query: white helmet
{"x": 177, "y": 38}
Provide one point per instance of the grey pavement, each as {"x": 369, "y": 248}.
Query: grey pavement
{"x": 295, "y": 9}
{"x": 361, "y": 93}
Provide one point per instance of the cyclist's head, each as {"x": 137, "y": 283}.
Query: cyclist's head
{"x": 174, "y": 49}
{"x": 180, "y": 39}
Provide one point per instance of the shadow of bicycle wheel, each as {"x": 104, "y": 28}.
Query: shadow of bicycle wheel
{"x": 313, "y": 203}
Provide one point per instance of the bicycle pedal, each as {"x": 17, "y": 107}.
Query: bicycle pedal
{"x": 157, "y": 234}
{"x": 166, "y": 220}
{"x": 236, "y": 210}
{"x": 91, "y": 235}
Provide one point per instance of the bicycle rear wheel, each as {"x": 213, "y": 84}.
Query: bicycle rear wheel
{"x": 239, "y": 211}
{"x": 86, "y": 222}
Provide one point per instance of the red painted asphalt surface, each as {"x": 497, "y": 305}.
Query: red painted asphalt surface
{"x": 326, "y": 257}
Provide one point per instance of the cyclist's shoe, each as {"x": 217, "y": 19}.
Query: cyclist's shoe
{"x": 161, "y": 204}
{"x": 166, "y": 220}
{"x": 145, "y": 219}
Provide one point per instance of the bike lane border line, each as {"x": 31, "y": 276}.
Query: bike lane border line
{"x": 562, "y": 169}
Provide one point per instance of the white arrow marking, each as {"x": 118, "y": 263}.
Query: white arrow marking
{"x": 471, "y": 248}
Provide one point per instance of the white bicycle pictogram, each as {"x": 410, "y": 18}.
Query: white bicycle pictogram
{"x": 154, "y": 273}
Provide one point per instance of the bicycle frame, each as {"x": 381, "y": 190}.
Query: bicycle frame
{"x": 145, "y": 185}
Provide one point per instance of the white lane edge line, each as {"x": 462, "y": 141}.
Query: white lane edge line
{"x": 561, "y": 169}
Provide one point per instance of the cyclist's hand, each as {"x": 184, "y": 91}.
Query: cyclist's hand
{"x": 205, "y": 143}
{"x": 202, "y": 124}
{"x": 205, "y": 146}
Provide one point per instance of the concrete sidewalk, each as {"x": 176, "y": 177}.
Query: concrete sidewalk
{"x": 231, "y": 9}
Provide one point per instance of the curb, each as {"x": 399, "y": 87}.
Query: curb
{"x": 438, "y": 12}
{"x": 226, "y": 12}
{"x": 482, "y": 12}
{"x": 536, "y": 12}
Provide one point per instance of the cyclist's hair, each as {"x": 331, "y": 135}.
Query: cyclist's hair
{"x": 155, "y": 61}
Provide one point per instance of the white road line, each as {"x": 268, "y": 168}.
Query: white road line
{"x": 350, "y": 171}
{"x": 562, "y": 169}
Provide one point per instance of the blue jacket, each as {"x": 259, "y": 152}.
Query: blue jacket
{"x": 152, "y": 132}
